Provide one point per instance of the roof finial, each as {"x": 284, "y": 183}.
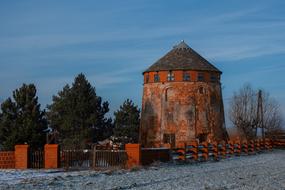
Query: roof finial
{"x": 181, "y": 45}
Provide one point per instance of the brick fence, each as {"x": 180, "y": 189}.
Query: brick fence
{"x": 136, "y": 155}
{"x": 7, "y": 160}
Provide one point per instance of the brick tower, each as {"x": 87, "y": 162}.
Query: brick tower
{"x": 182, "y": 100}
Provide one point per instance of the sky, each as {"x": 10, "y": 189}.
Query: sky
{"x": 112, "y": 42}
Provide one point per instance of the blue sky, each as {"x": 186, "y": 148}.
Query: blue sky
{"x": 49, "y": 42}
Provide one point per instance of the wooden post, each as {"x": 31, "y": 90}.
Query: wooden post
{"x": 194, "y": 149}
{"x": 94, "y": 165}
{"x": 215, "y": 150}
{"x": 205, "y": 151}
{"x": 268, "y": 144}
{"x": 257, "y": 145}
{"x": 230, "y": 148}
{"x": 245, "y": 147}
{"x": 251, "y": 146}
{"x": 222, "y": 149}
{"x": 237, "y": 148}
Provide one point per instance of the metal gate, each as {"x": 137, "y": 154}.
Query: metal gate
{"x": 36, "y": 159}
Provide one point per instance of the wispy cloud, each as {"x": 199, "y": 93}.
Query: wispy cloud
{"x": 222, "y": 42}
{"x": 243, "y": 52}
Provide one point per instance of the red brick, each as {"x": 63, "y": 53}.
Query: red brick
{"x": 51, "y": 156}
{"x": 134, "y": 155}
{"x": 7, "y": 160}
{"x": 21, "y": 156}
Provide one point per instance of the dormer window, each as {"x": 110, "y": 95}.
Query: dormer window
{"x": 186, "y": 76}
{"x": 170, "y": 76}
{"x": 156, "y": 77}
{"x": 201, "y": 77}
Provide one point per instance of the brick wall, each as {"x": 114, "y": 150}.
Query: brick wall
{"x": 7, "y": 160}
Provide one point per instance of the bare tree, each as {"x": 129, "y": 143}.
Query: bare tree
{"x": 243, "y": 111}
{"x": 246, "y": 115}
{"x": 272, "y": 116}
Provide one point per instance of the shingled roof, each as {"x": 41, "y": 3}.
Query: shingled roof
{"x": 182, "y": 57}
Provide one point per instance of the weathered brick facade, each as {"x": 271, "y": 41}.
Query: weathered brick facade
{"x": 182, "y": 103}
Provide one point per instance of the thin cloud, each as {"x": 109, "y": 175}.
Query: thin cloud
{"x": 243, "y": 52}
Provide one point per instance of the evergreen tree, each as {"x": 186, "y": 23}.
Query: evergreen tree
{"x": 127, "y": 121}
{"x": 22, "y": 120}
{"x": 78, "y": 114}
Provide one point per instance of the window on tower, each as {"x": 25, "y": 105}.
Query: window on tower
{"x": 201, "y": 77}
{"x": 170, "y": 76}
{"x": 186, "y": 76}
{"x": 147, "y": 78}
{"x": 213, "y": 78}
{"x": 156, "y": 77}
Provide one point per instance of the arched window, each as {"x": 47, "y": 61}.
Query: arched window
{"x": 165, "y": 95}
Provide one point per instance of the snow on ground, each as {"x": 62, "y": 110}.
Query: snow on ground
{"x": 262, "y": 171}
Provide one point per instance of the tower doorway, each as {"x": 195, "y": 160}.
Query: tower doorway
{"x": 169, "y": 139}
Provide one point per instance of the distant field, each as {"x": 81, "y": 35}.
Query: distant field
{"x": 262, "y": 171}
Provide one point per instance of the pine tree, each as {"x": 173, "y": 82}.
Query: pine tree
{"x": 78, "y": 114}
{"x": 127, "y": 121}
{"x": 22, "y": 120}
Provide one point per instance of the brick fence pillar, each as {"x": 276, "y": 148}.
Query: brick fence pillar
{"x": 134, "y": 155}
{"x": 51, "y": 156}
{"x": 21, "y": 156}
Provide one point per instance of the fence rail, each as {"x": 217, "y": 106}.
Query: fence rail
{"x": 76, "y": 159}
{"x": 36, "y": 159}
{"x": 204, "y": 151}
{"x": 109, "y": 158}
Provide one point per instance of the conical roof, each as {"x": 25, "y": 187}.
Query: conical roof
{"x": 182, "y": 57}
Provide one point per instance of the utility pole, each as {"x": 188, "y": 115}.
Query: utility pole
{"x": 196, "y": 115}
{"x": 260, "y": 113}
